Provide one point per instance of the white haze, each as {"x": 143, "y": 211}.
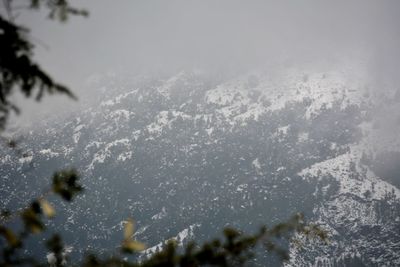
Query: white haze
{"x": 170, "y": 35}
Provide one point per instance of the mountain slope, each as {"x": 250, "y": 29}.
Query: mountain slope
{"x": 200, "y": 152}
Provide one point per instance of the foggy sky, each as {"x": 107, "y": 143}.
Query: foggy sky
{"x": 172, "y": 35}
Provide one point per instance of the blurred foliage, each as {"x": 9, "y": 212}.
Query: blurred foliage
{"x": 18, "y": 70}
{"x": 65, "y": 184}
{"x": 55, "y": 246}
{"x": 128, "y": 244}
{"x": 58, "y": 9}
{"x": 234, "y": 249}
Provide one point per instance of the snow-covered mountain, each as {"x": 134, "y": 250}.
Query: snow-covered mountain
{"x": 189, "y": 154}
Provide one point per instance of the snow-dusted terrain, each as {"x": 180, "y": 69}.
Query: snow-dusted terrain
{"x": 190, "y": 154}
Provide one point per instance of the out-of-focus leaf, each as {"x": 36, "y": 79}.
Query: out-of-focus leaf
{"x": 131, "y": 246}
{"x": 55, "y": 245}
{"x": 231, "y": 233}
{"x": 65, "y": 184}
{"x": 36, "y": 228}
{"x": 31, "y": 221}
{"x": 47, "y": 208}
{"x": 11, "y": 238}
{"x": 35, "y": 207}
{"x": 129, "y": 229}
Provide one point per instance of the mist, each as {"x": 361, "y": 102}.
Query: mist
{"x": 171, "y": 35}
{"x": 360, "y": 38}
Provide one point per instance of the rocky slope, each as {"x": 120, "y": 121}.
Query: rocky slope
{"x": 190, "y": 154}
